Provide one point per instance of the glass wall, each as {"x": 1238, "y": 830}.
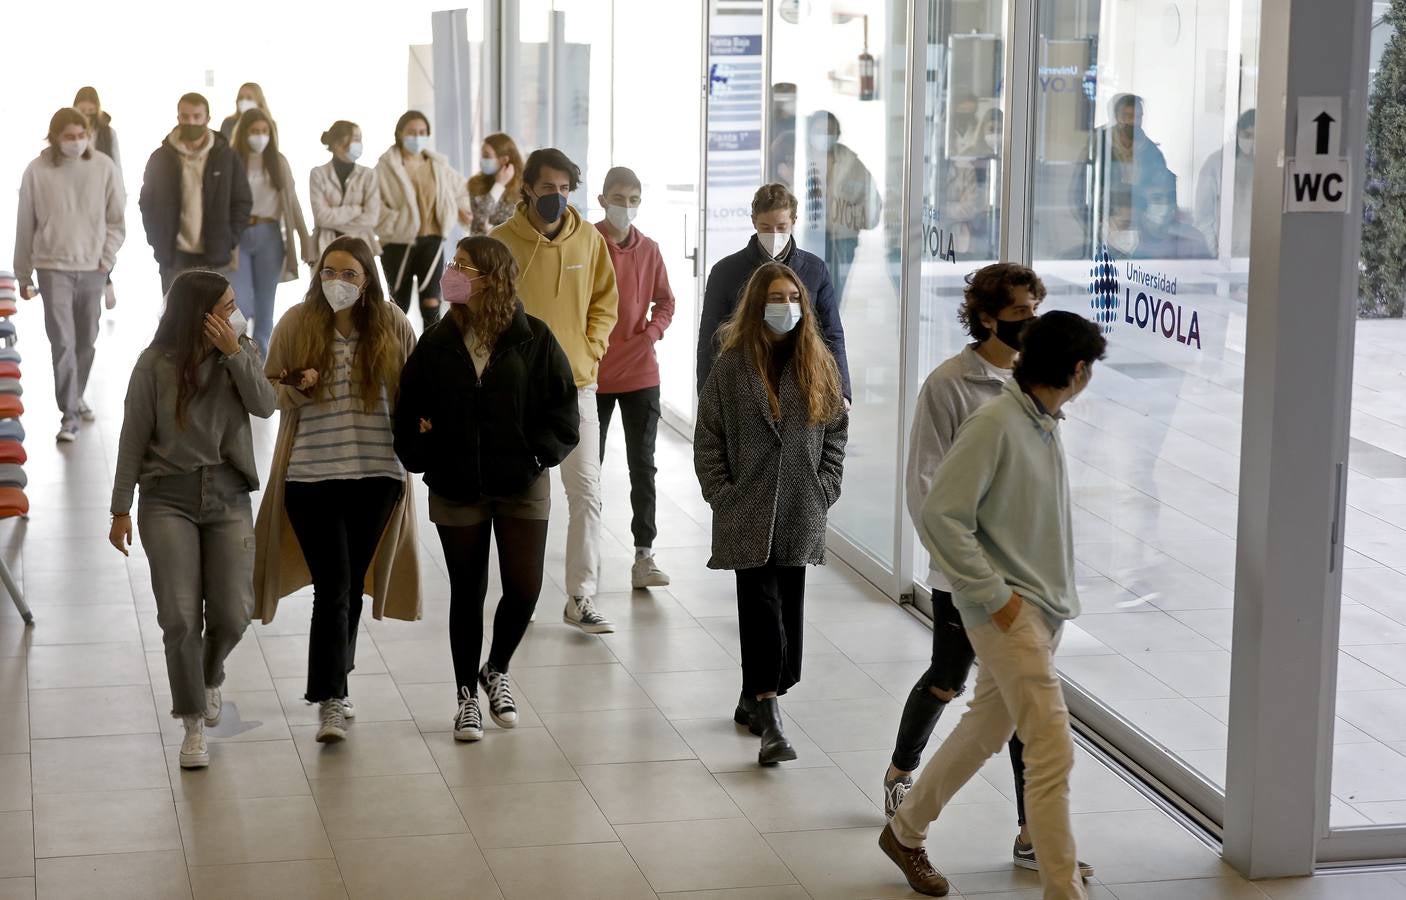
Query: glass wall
{"x": 962, "y": 131}
{"x": 1140, "y": 220}
{"x": 1369, "y": 753}
{"x": 835, "y": 136}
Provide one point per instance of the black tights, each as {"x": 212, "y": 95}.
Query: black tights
{"x": 522, "y": 548}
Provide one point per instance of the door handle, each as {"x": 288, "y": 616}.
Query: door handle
{"x": 692, "y": 257}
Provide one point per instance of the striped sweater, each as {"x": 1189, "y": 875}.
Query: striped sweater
{"x": 336, "y": 437}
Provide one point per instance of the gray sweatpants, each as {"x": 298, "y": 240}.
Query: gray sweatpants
{"x": 198, "y": 531}
{"x": 72, "y": 306}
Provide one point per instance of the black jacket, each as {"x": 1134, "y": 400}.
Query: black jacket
{"x": 724, "y": 289}
{"x": 226, "y": 196}
{"x": 491, "y": 435}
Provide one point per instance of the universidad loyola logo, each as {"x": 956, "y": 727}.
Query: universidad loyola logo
{"x": 1153, "y": 308}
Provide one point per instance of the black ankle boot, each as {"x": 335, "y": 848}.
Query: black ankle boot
{"x": 746, "y": 713}
{"x": 775, "y": 747}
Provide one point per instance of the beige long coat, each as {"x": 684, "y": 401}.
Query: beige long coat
{"x": 393, "y": 579}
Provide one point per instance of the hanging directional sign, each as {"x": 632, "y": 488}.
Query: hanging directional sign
{"x": 1316, "y": 178}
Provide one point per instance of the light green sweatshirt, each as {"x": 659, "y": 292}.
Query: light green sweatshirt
{"x": 998, "y": 518}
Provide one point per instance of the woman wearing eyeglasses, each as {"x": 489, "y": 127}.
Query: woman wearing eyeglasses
{"x": 487, "y": 406}
{"x": 338, "y": 512}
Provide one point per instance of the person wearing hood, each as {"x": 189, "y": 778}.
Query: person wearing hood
{"x": 105, "y": 142}
{"x": 774, "y": 217}
{"x": 345, "y": 196}
{"x": 629, "y": 373}
{"x": 568, "y": 281}
{"x": 422, "y": 198}
{"x": 195, "y": 198}
{"x": 69, "y": 226}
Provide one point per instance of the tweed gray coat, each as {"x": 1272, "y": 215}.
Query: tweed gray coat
{"x": 770, "y": 483}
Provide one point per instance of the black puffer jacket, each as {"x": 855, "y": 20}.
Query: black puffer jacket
{"x": 225, "y": 198}
{"x": 490, "y": 435}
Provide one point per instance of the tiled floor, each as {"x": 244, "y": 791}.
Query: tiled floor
{"x": 626, "y": 778}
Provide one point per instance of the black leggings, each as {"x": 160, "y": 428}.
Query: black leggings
{"x": 522, "y": 549}
{"x": 338, "y": 524}
{"x": 423, "y": 262}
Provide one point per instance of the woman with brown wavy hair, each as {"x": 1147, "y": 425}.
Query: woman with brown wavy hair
{"x": 338, "y": 511}
{"x": 495, "y": 190}
{"x": 487, "y": 406}
{"x": 769, "y": 448}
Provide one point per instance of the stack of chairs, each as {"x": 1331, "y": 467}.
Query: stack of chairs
{"x": 13, "y": 501}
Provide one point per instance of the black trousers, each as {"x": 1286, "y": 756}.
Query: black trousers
{"x": 407, "y": 264}
{"x": 522, "y": 550}
{"x": 639, "y": 414}
{"x": 952, "y": 658}
{"x": 770, "y": 618}
{"x": 338, "y": 524}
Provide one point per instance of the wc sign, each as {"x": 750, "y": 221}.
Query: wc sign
{"x": 1317, "y": 178}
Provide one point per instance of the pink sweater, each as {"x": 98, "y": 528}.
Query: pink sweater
{"x": 646, "y": 308}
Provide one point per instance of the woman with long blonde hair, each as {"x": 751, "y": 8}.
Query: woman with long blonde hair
{"x": 496, "y": 189}
{"x": 487, "y": 406}
{"x": 338, "y": 512}
{"x": 250, "y": 96}
{"x": 769, "y": 447}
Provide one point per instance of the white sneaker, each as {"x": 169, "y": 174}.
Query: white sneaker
{"x": 85, "y": 412}
{"x": 194, "y": 752}
{"x": 214, "y": 706}
{"x": 468, "y": 721}
{"x": 582, "y": 613}
{"x": 347, "y": 709}
{"x": 645, "y": 573}
{"x": 334, "y": 722}
{"x": 67, "y": 434}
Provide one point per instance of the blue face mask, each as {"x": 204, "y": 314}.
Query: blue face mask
{"x": 416, "y": 143}
{"x": 783, "y": 318}
{"x": 550, "y": 207}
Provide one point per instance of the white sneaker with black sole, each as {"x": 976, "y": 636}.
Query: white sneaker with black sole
{"x": 500, "y": 696}
{"x": 645, "y": 573}
{"x": 214, "y": 706}
{"x": 468, "y": 721}
{"x": 895, "y": 789}
{"x": 582, "y": 613}
{"x": 333, "y": 718}
{"x": 195, "y": 754}
{"x": 1023, "y": 855}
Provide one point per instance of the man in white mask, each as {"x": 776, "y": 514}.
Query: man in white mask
{"x": 629, "y": 371}
{"x": 774, "y": 218}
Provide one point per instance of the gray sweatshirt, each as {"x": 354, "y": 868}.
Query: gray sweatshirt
{"x": 71, "y": 215}
{"x": 216, "y": 428}
{"x": 998, "y": 520}
{"x": 952, "y": 392}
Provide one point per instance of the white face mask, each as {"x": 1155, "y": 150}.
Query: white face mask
{"x": 245, "y": 105}
{"x": 773, "y": 243}
{"x": 74, "y": 149}
{"x": 257, "y": 142}
{"x": 489, "y": 165}
{"x": 783, "y": 318}
{"x": 238, "y": 323}
{"x": 993, "y": 141}
{"x": 340, "y": 294}
{"x": 416, "y": 143}
{"x": 354, "y": 151}
{"x": 1246, "y": 145}
{"x": 621, "y": 216}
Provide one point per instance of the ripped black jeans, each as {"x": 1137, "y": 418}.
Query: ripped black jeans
{"x": 952, "y": 658}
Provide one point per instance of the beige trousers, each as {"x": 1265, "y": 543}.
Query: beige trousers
{"x": 1017, "y": 690}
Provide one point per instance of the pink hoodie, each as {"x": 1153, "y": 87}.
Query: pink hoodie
{"x": 630, "y": 363}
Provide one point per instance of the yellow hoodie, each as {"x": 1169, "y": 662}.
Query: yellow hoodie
{"x": 567, "y": 282}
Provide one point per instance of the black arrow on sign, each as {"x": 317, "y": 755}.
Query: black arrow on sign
{"x": 1325, "y": 124}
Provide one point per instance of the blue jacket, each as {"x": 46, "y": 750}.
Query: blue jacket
{"x": 729, "y": 277}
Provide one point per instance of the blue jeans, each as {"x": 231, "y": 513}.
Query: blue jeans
{"x": 261, "y": 258}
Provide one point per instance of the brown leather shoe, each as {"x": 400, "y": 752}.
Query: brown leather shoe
{"x": 922, "y": 877}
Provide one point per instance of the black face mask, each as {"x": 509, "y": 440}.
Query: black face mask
{"x": 191, "y": 133}
{"x": 1009, "y": 333}
{"x": 550, "y": 207}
